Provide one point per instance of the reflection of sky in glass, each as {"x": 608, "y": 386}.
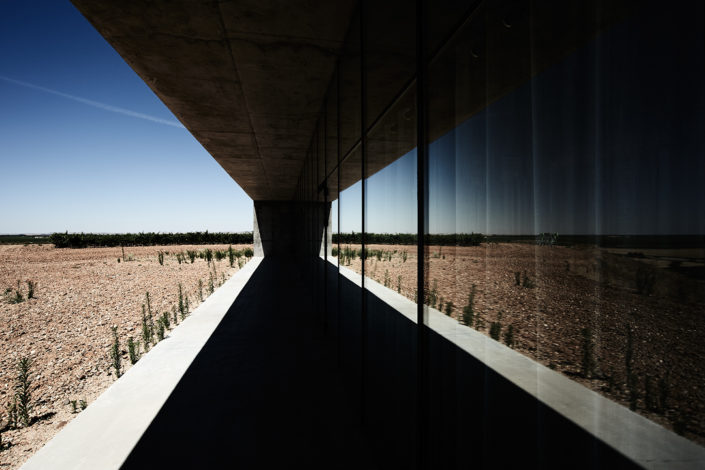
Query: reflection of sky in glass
{"x": 610, "y": 141}
{"x": 350, "y": 207}
{"x": 391, "y": 197}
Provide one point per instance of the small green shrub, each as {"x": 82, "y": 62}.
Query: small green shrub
{"x": 449, "y": 308}
{"x": 432, "y": 295}
{"x": 211, "y": 287}
{"x": 387, "y": 278}
{"x": 146, "y": 332}
{"x": 165, "y": 320}
{"x": 31, "y": 286}
{"x": 175, "y": 315}
{"x": 149, "y": 304}
{"x": 187, "y": 309}
{"x": 74, "y": 406}
{"x": 663, "y": 392}
{"x": 23, "y": 393}
{"x": 633, "y": 390}
{"x": 632, "y": 381}
{"x": 160, "y": 257}
{"x": 249, "y": 253}
{"x": 115, "y": 353}
{"x": 182, "y": 306}
{"x": 403, "y": 256}
{"x": 231, "y": 256}
{"x": 469, "y": 309}
{"x": 334, "y": 251}
{"x": 191, "y": 255}
{"x": 161, "y": 328}
{"x": 479, "y": 322}
{"x": 132, "y": 350}
{"x": 495, "y": 330}
{"x": 399, "y": 284}
{"x": 83, "y": 404}
{"x": 208, "y": 255}
{"x": 509, "y": 336}
{"x": 589, "y": 364}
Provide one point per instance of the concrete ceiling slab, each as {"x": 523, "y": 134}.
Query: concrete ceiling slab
{"x": 247, "y": 78}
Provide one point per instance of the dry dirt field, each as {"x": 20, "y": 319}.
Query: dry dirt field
{"x": 571, "y": 289}
{"x": 66, "y": 328}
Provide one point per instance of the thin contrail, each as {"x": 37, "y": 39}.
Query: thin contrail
{"x": 95, "y": 104}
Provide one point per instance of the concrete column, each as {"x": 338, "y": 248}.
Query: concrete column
{"x": 291, "y": 228}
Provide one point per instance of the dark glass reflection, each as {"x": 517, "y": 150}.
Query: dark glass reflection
{"x": 585, "y": 182}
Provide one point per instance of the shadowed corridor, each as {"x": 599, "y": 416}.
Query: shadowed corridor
{"x": 263, "y": 392}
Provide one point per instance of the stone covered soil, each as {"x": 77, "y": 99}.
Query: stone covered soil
{"x": 66, "y": 328}
{"x": 575, "y": 289}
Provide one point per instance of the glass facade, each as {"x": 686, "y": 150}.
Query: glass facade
{"x": 561, "y": 155}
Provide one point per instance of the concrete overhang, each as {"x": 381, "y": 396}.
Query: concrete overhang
{"x": 247, "y": 78}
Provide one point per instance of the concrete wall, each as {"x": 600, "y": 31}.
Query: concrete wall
{"x": 290, "y": 228}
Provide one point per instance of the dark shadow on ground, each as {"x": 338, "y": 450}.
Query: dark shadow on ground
{"x": 263, "y": 392}
{"x": 476, "y": 418}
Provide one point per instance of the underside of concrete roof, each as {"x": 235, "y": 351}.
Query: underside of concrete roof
{"x": 247, "y": 78}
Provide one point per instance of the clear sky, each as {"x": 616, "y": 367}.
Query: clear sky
{"x": 86, "y": 146}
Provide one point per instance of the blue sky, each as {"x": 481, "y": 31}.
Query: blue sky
{"x": 86, "y": 146}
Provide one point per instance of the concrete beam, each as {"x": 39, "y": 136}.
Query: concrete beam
{"x": 246, "y": 78}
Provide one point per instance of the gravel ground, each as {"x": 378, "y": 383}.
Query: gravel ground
{"x": 573, "y": 289}
{"x": 66, "y": 328}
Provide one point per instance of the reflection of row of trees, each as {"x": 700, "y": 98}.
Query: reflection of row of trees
{"x": 84, "y": 240}
{"x": 546, "y": 238}
{"x": 457, "y": 239}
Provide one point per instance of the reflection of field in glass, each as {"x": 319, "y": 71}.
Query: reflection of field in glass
{"x": 626, "y": 323}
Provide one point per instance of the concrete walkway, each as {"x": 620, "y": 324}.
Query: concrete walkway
{"x": 262, "y": 393}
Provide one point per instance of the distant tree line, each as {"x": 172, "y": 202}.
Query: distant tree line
{"x": 452, "y": 239}
{"x": 85, "y": 240}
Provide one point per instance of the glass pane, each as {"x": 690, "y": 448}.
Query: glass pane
{"x": 572, "y": 141}
{"x": 390, "y": 54}
{"x": 350, "y": 88}
{"x": 390, "y": 200}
